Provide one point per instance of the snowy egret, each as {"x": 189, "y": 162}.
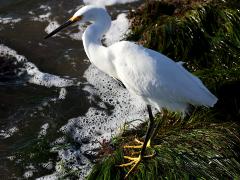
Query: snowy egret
{"x": 156, "y": 79}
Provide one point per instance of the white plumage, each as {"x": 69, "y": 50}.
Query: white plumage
{"x": 157, "y": 79}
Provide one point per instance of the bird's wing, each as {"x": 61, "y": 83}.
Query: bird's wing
{"x": 152, "y": 75}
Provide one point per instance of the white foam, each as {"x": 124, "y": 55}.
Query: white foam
{"x": 49, "y": 177}
{"x": 62, "y": 93}
{"x": 76, "y": 36}
{"x": 100, "y": 123}
{"x": 34, "y": 75}
{"x": 42, "y": 17}
{"x": 9, "y": 132}
{"x": 48, "y": 80}
{"x": 48, "y": 165}
{"x": 118, "y": 30}
{"x": 43, "y": 130}
{"x": 51, "y": 26}
{"x": 29, "y": 173}
{"x": 45, "y": 7}
{"x": 9, "y": 20}
{"x": 108, "y": 2}
{"x": 125, "y": 106}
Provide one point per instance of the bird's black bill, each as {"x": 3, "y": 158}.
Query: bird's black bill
{"x": 69, "y": 22}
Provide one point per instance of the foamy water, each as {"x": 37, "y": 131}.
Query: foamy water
{"x": 110, "y": 105}
{"x": 118, "y": 30}
{"x": 34, "y": 75}
{"x": 108, "y": 2}
{"x": 8, "y": 132}
{"x": 51, "y": 26}
{"x": 99, "y": 123}
{"x": 9, "y": 20}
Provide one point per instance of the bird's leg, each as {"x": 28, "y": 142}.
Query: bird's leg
{"x": 150, "y": 125}
{"x": 136, "y": 160}
{"x": 149, "y": 131}
{"x": 159, "y": 123}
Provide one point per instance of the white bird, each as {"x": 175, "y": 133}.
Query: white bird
{"x": 156, "y": 79}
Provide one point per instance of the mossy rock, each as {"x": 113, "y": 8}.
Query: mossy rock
{"x": 205, "y": 34}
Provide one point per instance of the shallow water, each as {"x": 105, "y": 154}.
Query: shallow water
{"x": 33, "y": 102}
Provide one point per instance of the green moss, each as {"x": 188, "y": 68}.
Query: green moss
{"x": 205, "y": 144}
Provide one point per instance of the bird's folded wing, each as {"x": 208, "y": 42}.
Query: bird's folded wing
{"x": 150, "y": 74}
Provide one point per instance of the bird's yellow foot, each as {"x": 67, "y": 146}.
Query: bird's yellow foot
{"x": 137, "y": 146}
{"x": 134, "y": 161}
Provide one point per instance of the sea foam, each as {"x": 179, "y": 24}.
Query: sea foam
{"x": 114, "y": 107}
{"x": 35, "y": 76}
{"x": 108, "y": 2}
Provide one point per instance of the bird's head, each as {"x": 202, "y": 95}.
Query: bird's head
{"x": 88, "y": 13}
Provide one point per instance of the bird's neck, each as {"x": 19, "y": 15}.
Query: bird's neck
{"x": 92, "y": 39}
{"x": 96, "y": 52}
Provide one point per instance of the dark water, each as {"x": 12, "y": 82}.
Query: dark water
{"x": 25, "y": 107}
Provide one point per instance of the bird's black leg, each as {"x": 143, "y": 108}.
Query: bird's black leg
{"x": 136, "y": 160}
{"x": 154, "y": 133}
{"x": 149, "y": 131}
{"x": 146, "y": 143}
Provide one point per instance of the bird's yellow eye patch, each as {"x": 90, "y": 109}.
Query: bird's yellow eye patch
{"x": 75, "y": 18}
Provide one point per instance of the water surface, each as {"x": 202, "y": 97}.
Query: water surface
{"x": 27, "y": 109}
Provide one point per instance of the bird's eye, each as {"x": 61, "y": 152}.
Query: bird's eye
{"x": 88, "y": 23}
